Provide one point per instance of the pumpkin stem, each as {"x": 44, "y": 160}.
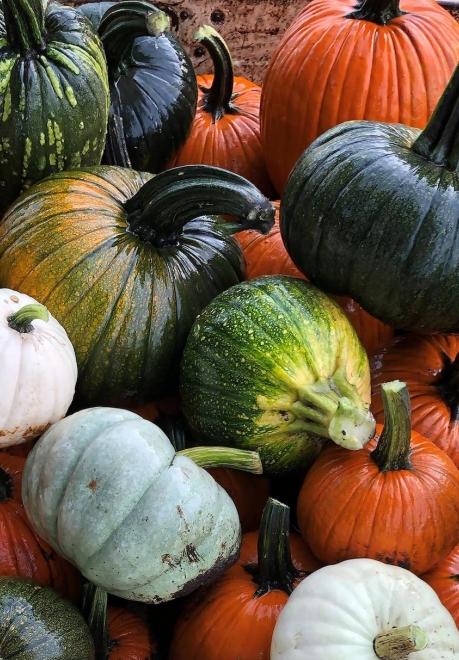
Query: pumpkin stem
{"x": 393, "y": 449}
{"x": 164, "y": 205}
{"x": 95, "y": 611}
{"x": 398, "y": 643}
{"x": 123, "y": 23}
{"x": 116, "y": 151}
{"x": 25, "y": 25}
{"x": 439, "y": 141}
{"x": 217, "y": 98}
{"x": 275, "y": 569}
{"x": 6, "y": 485}
{"x": 224, "y": 457}
{"x": 381, "y": 12}
{"x": 332, "y": 408}
{"x": 21, "y": 321}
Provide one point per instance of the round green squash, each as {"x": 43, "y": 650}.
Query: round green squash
{"x": 371, "y": 210}
{"x": 126, "y": 262}
{"x": 106, "y": 489}
{"x": 274, "y": 365}
{"x": 53, "y": 94}
{"x": 37, "y": 624}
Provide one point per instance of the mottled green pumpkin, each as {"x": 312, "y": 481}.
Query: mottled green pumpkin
{"x": 53, "y": 93}
{"x": 126, "y": 262}
{"x": 273, "y": 364}
{"x": 37, "y": 624}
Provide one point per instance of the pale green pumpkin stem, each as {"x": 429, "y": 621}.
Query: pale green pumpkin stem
{"x": 381, "y": 12}
{"x": 25, "y": 25}
{"x": 393, "y": 449}
{"x": 21, "y": 321}
{"x": 217, "y": 99}
{"x": 95, "y": 612}
{"x": 332, "y": 408}
{"x": 398, "y": 643}
{"x": 439, "y": 141}
{"x": 224, "y": 457}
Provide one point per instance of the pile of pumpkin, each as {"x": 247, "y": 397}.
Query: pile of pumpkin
{"x": 168, "y": 334}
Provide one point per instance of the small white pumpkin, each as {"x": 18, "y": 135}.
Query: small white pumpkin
{"x": 38, "y": 369}
{"x": 362, "y": 609}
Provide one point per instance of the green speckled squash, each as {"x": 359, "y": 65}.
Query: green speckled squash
{"x": 126, "y": 262}
{"x": 37, "y": 624}
{"x": 53, "y": 93}
{"x": 274, "y": 365}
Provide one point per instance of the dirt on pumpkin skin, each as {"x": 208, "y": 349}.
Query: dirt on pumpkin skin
{"x": 27, "y": 434}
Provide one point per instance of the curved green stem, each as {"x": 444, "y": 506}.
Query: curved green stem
{"x": 163, "y": 206}
{"x": 116, "y": 152}
{"x": 95, "y": 611}
{"x": 381, "y": 12}
{"x": 21, "y": 321}
{"x": 393, "y": 449}
{"x": 6, "y": 485}
{"x": 25, "y": 24}
{"x": 224, "y": 457}
{"x": 398, "y": 643}
{"x": 217, "y": 99}
{"x": 439, "y": 141}
{"x": 124, "y": 22}
{"x": 275, "y": 569}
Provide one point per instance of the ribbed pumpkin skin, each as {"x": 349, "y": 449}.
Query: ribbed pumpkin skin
{"x": 54, "y": 117}
{"x": 22, "y": 552}
{"x": 423, "y": 364}
{"x": 372, "y": 332}
{"x": 348, "y": 509}
{"x": 94, "y": 12}
{"x": 36, "y": 624}
{"x": 329, "y": 69}
{"x": 444, "y": 580}
{"x": 127, "y": 306}
{"x": 233, "y": 141}
{"x": 129, "y": 636}
{"x": 229, "y": 621}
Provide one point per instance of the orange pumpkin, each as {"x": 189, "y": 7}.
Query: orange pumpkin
{"x": 129, "y": 637}
{"x": 383, "y": 60}
{"x": 235, "y": 618}
{"x": 22, "y": 552}
{"x": 226, "y": 129}
{"x": 249, "y": 493}
{"x": 444, "y": 580}
{"x": 396, "y": 500}
{"x": 429, "y": 365}
{"x": 373, "y": 333}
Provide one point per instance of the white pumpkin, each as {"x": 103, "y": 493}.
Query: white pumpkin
{"x": 38, "y": 369}
{"x": 362, "y": 609}
{"x": 107, "y": 490}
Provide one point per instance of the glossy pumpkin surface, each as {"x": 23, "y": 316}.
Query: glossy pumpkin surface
{"x": 95, "y": 11}
{"x": 35, "y": 623}
{"x": 22, "y": 552}
{"x": 129, "y": 637}
{"x": 126, "y": 292}
{"x": 257, "y": 369}
{"x": 152, "y": 82}
{"x": 226, "y": 128}
{"x": 383, "y": 61}
{"x": 54, "y": 94}
{"x": 371, "y": 211}
{"x": 429, "y": 367}
{"x": 99, "y": 484}
{"x": 444, "y": 580}
{"x": 396, "y": 500}
{"x": 235, "y": 618}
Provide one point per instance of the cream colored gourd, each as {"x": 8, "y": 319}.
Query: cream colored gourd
{"x": 362, "y": 609}
{"x": 38, "y": 369}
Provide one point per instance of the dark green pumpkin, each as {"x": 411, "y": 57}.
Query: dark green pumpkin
{"x": 53, "y": 94}
{"x": 95, "y": 11}
{"x": 153, "y": 86}
{"x": 274, "y": 365}
{"x": 371, "y": 210}
{"x": 126, "y": 262}
{"x": 37, "y": 624}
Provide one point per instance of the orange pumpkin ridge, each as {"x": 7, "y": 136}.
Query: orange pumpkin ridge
{"x": 226, "y": 129}
{"x": 129, "y": 636}
{"x": 430, "y": 367}
{"x": 396, "y": 500}
{"x": 444, "y": 580}
{"x": 235, "y": 618}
